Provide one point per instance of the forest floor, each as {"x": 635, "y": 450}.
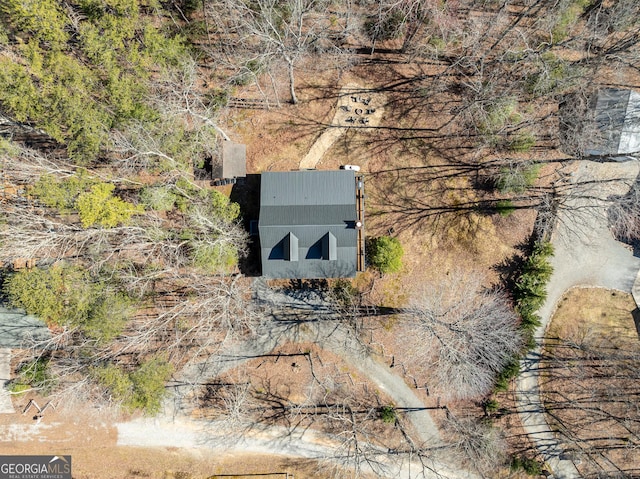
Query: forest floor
{"x": 594, "y": 334}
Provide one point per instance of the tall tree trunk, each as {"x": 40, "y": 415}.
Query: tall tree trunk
{"x": 292, "y": 84}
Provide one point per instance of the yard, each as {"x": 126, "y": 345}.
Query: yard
{"x": 590, "y": 380}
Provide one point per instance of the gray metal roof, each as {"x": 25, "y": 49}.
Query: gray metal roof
{"x": 617, "y": 117}
{"x": 318, "y": 208}
{"x": 234, "y": 161}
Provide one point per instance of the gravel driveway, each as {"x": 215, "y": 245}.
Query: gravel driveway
{"x": 585, "y": 254}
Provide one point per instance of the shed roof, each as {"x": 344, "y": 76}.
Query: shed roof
{"x": 234, "y": 161}
{"x": 318, "y": 209}
{"x": 617, "y": 117}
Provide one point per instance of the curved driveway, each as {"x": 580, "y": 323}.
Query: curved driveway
{"x": 585, "y": 254}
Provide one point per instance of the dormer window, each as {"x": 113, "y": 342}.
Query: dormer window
{"x": 290, "y": 246}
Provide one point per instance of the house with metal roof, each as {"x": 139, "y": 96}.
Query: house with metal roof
{"x": 607, "y": 125}
{"x": 311, "y": 224}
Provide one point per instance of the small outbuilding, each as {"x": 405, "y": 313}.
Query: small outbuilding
{"x": 311, "y": 224}
{"x": 607, "y": 123}
{"x": 234, "y": 161}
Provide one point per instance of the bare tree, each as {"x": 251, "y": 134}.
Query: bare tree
{"x": 265, "y": 31}
{"x": 475, "y": 444}
{"x": 624, "y": 214}
{"x": 462, "y": 331}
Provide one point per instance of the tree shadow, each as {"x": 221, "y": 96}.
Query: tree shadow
{"x": 636, "y": 320}
{"x": 246, "y": 192}
{"x": 510, "y": 268}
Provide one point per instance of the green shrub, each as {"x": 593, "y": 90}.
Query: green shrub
{"x": 518, "y": 177}
{"x": 58, "y": 295}
{"x": 149, "y": 384}
{"x": 509, "y": 372}
{"x": 100, "y": 207}
{"x": 143, "y": 388}
{"x": 385, "y": 254}
{"x": 77, "y": 97}
{"x": 387, "y": 414}
{"x": 158, "y": 198}
{"x": 505, "y": 207}
{"x": 529, "y": 294}
{"x": 67, "y": 296}
{"x": 8, "y": 148}
{"x": 568, "y": 16}
{"x": 37, "y": 375}
{"x": 490, "y": 406}
{"x": 116, "y": 381}
{"x": 220, "y": 206}
{"x": 17, "y": 388}
{"x": 214, "y": 258}
{"x": 554, "y": 75}
{"x": 44, "y": 19}
{"x": 530, "y": 466}
{"x": 522, "y": 142}
{"x": 499, "y": 114}
{"x": 531, "y": 288}
{"x": 62, "y": 194}
{"x": 108, "y": 315}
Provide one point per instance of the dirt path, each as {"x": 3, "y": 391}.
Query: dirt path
{"x": 326, "y": 334}
{"x": 356, "y": 108}
{"x": 585, "y": 254}
{"x": 215, "y": 436}
{"x": 174, "y": 429}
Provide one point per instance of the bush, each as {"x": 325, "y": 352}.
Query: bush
{"x": 67, "y": 296}
{"x": 37, "y": 375}
{"x": 385, "y": 254}
{"x": 536, "y": 272}
{"x": 567, "y": 17}
{"x": 387, "y": 414}
{"x": 214, "y": 257}
{"x": 158, "y": 198}
{"x": 116, "y": 381}
{"x": 505, "y": 207}
{"x": 61, "y": 195}
{"x": 17, "y": 387}
{"x": 498, "y": 115}
{"x": 517, "y": 177}
{"x": 220, "y": 206}
{"x": 530, "y": 466}
{"x": 43, "y": 19}
{"x": 58, "y": 295}
{"x": 141, "y": 389}
{"x": 522, "y": 142}
{"x": 78, "y": 96}
{"x": 149, "y": 384}
{"x": 100, "y": 207}
{"x": 490, "y": 406}
{"x": 509, "y": 372}
{"x": 107, "y": 317}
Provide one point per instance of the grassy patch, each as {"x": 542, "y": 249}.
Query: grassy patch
{"x": 586, "y": 314}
